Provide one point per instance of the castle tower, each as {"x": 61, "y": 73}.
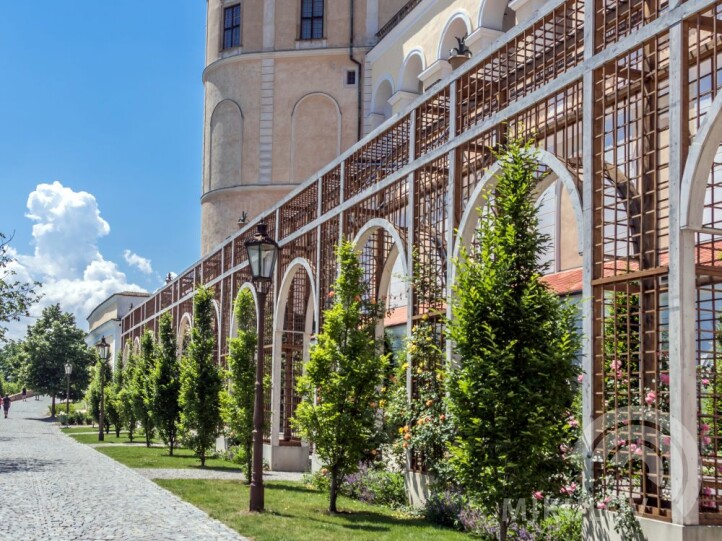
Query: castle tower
{"x": 282, "y": 94}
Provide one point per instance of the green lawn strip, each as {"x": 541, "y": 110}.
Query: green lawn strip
{"x": 109, "y": 438}
{"x": 294, "y": 512}
{"x": 79, "y": 429}
{"x": 158, "y": 457}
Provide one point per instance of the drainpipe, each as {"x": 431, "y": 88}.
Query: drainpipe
{"x": 359, "y": 95}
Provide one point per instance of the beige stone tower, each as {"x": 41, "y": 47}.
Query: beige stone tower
{"x": 283, "y": 90}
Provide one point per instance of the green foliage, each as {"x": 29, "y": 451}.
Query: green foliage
{"x": 165, "y": 382}
{"x": 50, "y": 343}
{"x": 141, "y": 386}
{"x": 125, "y": 394}
{"x": 421, "y": 424}
{"x": 242, "y": 371}
{"x": 201, "y": 382}
{"x": 371, "y": 483}
{"x": 516, "y": 343}
{"x": 12, "y": 363}
{"x": 16, "y": 296}
{"x": 340, "y": 388}
{"x": 101, "y": 377}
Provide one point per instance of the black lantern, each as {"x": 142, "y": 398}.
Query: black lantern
{"x": 103, "y": 349}
{"x": 262, "y": 254}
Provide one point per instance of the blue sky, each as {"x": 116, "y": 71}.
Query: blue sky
{"x": 104, "y": 98}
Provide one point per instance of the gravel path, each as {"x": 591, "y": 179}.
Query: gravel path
{"x": 55, "y": 489}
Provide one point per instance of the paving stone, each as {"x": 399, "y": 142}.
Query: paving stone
{"x": 53, "y": 488}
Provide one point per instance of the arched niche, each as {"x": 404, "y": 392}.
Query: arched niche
{"x": 496, "y": 15}
{"x": 380, "y": 100}
{"x": 410, "y": 70}
{"x": 315, "y": 134}
{"x": 226, "y": 146}
{"x": 458, "y": 26}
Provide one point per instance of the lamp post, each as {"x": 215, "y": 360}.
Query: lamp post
{"x": 68, "y": 371}
{"x": 103, "y": 351}
{"x": 262, "y": 254}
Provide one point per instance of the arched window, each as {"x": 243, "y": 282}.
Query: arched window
{"x": 311, "y": 19}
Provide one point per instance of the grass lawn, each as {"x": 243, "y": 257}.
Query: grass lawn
{"x": 294, "y": 512}
{"x": 110, "y": 438}
{"x": 158, "y": 457}
{"x": 76, "y": 429}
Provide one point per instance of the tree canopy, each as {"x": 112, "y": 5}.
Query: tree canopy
{"x": 51, "y": 342}
{"x": 16, "y": 296}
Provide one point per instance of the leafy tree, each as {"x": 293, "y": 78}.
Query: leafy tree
{"x": 126, "y": 395}
{"x": 166, "y": 384}
{"x": 242, "y": 365}
{"x": 341, "y": 387}
{"x": 16, "y": 296}
{"x": 114, "y": 408}
{"x": 516, "y": 343}
{"x": 201, "y": 382}
{"x": 101, "y": 374}
{"x": 50, "y": 343}
{"x": 141, "y": 385}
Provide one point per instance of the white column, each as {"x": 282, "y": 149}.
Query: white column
{"x": 684, "y": 456}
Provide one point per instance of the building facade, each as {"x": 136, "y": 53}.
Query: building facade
{"x": 622, "y": 101}
{"x": 105, "y": 321}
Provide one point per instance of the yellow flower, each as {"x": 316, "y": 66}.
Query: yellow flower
{"x": 401, "y": 430}
{"x": 382, "y": 403}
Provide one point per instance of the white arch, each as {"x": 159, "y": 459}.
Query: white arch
{"x": 700, "y": 159}
{"x": 446, "y": 44}
{"x": 186, "y": 323}
{"x": 293, "y": 124}
{"x": 379, "y": 223}
{"x": 403, "y": 83}
{"x": 375, "y": 96}
{"x": 491, "y": 14}
{"x": 279, "y": 315}
{"x": 470, "y": 217}
{"x": 234, "y": 324}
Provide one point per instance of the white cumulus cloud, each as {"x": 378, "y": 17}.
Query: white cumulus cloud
{"x": 141, "y": 263}
{"x": 66, "y": 259}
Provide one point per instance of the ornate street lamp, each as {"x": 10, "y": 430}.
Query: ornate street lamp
{"x": 68, "y": 371}
{"x": 262, "y": 254}
{"x": 103, "y": 353}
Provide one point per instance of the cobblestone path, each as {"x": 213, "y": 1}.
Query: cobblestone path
{"x": 55, "y": 489}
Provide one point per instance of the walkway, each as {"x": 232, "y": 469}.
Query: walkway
{"x": 55, "y": 489}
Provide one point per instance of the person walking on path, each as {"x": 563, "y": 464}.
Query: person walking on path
{"x": 6, "y": 405}
{"x": 25, "y": 394}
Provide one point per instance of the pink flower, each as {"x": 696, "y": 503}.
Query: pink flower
{"x": 633, "y": 448}
{"x": 651, "y": 398}
{"x": 564, "y": 448}
{"x": 705, "y": 382}
{"x": 616, "y": 364}
{"x": 621, "y": 442}
{"x": 569, "y": 489}
{"x": 580, "y": 378}
{"x": 601, "y": 505}
{"x": 539, "y": 496}
{"x": 703, "y": 428}
{"x": 573, "y": 423}
{"x": 638, "y": 451}
{"x": 664, "y": 379}
{"x": 666, "y": 440}
{"x": 706, "y": 440}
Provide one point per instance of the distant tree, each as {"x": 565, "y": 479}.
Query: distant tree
{"x": 242, "y": 365}
{"x": 166, "y": 384}
{"x": 341, "y": 386}
{"x": 516, "y": 342}
{"x": 141, "y": 385}
{"x": 201, "y": 382}
{"x": 113, "y": 399}
{"x": 50, "y": 343}
{"x": 16, "y": 296}
{"x": 12, "y": 361}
